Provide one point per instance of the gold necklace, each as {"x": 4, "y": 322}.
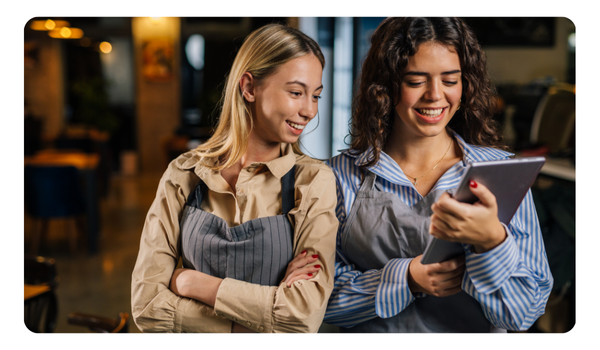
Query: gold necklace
{"x": 435, "y": 166}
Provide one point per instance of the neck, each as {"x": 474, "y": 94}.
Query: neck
{"x": 418, "y": 150}
{"x": 260, "y": 151}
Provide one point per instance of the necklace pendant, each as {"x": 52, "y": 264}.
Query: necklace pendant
{"x": 416, "y": 181}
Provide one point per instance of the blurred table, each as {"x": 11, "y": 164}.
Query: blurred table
{"x": 87, "y": 164}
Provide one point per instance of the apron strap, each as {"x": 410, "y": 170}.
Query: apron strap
{"x": 368, "y": 183}
{"x": 195, "y": 198}
{"x": 288, "y": 182}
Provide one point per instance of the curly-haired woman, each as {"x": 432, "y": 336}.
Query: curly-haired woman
{"x": 422, "y": 112}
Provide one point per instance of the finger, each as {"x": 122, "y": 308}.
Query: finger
{"x": 453, "y": 263}
{"x": 309, "y": 269}
{"x": 486, "y": 197}
{"x": 300, "y": 260}
{"x": 444, "y": 223}
{"x": 450, "y": 291}
{"x": 445, "y": 234}
{"x": 448, "y": 207}
{"x": 302, "y": 276}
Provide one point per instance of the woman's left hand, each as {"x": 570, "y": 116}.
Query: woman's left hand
{"x": 475, "y": 224}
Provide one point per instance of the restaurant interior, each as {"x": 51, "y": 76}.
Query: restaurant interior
{"x": 110, "y": 101}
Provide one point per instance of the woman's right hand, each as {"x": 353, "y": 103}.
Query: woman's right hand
{"x": 439, "y": 279}
{"x": 299, "y": 268}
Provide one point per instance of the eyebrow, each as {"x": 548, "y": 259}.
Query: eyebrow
{"x": 302, "y": 84}
{"x": 423, "y": 73}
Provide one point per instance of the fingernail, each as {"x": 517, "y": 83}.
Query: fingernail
{"x": 310, "y": 274}
{"x": 303, "y": 252}
{"x": 315, "y": 256}
{"x": 473, "y": 184}
{"x": 317, "y": 266}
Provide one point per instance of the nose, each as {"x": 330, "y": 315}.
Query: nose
{"x": 434, "y": 90}
{"x": 309, "y": 109}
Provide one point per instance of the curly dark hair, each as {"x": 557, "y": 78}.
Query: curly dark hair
{"x": 392, "y": 43}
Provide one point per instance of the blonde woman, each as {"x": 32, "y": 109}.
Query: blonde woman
{"x": 251, "y": 218}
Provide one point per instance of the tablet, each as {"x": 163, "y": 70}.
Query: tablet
{"x": 509, "y": 180}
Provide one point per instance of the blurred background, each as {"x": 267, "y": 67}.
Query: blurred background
{"x": 109, "y": 101}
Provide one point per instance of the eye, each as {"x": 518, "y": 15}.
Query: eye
{"x": 451, "y": 82}
{"x": 415, "y": 83}
{"x": 296, "y": 94}
{"x": 317, "y": 97}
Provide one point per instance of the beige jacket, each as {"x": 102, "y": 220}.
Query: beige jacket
{"x": 299, "y": 308}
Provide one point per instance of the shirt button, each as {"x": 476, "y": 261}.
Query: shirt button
{"x": 234, "y": 319}
{"x": 261, "y": 328}
{"x": 248, "y": 323}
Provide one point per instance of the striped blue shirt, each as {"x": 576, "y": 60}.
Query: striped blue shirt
{"x": 512, "y": 282}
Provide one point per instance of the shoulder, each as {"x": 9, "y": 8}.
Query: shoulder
{"x": 482, "y": 153}
{"x": 308, "y": 168}
{"x": 182, "y": 172}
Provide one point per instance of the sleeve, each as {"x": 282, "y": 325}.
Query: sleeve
{"x": 154, "y": 307}
{"x": 512, "y": 282}
{"x": 301, "y": 307}
{"x": 360, "y": 296}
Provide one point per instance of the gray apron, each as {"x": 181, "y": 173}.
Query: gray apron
{"x": 257, "y": 251}
{"x": 381, "y": 227}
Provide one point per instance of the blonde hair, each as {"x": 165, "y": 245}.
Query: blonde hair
{"x": 262, "y": 52}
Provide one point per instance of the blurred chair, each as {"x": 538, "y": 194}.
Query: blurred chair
{"x": 41, "y": 311}
{"x": 553, "y": 123}
{"x": 101, "y": 324}
{"x": 50, "y": 193}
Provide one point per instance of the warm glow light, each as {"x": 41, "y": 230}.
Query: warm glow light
{"x": 66, "y": 33}
{"x": 105, "y": 47}
{"x": 47, "y": 25}
{"x": 50, "y": 24}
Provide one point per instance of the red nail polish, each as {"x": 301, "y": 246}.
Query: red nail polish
{"x": 315, "y": 256}
{"x": 317, "y": 266}
{"x": 473, "y": 184}
{"x": 310, "y": 274}
{"x": 303, "y": 252}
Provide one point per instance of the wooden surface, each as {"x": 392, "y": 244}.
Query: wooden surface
{"x": 35, "y": 290}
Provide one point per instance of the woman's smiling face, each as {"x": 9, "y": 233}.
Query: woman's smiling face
{"x": 430, "y": 91}
{"x": 287, "y": 100}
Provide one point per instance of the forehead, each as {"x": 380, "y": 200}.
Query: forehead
{"x": 306, "y": 69}
{"x": 432, "y": 57}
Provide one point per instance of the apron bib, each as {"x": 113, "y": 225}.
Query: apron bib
{"x": 257, "y": 251}
{"x": 381, "y": 227}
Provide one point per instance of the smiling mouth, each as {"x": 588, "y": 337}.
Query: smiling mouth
{"x": 296, "y": 126}
{"x": 431, "y": 113}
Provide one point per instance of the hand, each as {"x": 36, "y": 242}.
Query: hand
{"x": 180, "y": 281}
{"x": 299, "y": 268}
{"x": 195, "y": 285}
{"x": 475, "y": 224}
{"x": 439, "y": 279}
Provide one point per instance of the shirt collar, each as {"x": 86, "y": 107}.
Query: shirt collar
{"x": 470, "y": 153}
{"x": 388, "y": 169}
{"x": 278, "y": 166}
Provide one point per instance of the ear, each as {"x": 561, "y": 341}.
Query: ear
{"x": 247, "y": 87}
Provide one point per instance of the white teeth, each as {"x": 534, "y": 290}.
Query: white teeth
{"x": 431, "y": 112}
{"x": 296, "y": 126}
